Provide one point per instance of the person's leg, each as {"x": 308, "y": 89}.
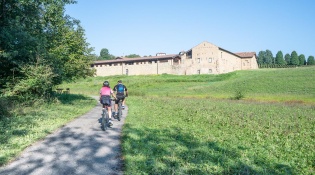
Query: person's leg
{"x": 109, "y": 115}
{"x": 109, "y": 109}
{"x": 123, "y": 102}
{"x": 116, "y": 105}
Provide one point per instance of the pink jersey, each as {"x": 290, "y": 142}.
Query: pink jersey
{"x": 106, "y": 91}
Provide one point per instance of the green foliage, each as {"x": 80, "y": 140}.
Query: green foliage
{"x": 35, "y": 32}
{"x": 238, "y": 95}
{"x": 268, "y": 57}
{"x": 104, "y": 55}
{"x": 260, "y": 57}
{"x": 287, "y": 58}
{"x": 294, "y": 58}
{"x": 133, "y": 56}
{"x": 310, "y": 60}
{"x": 38, "y": 81}
{"x": 279, "y": 59}
{"x": 302, "y": 60}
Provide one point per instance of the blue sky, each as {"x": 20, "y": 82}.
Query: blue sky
{"x": 146, "y": 27}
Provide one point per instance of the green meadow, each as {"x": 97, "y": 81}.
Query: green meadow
{"x": 244, "y": 122}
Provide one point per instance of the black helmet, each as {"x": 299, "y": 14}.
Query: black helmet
{"x": 106, "y": 83}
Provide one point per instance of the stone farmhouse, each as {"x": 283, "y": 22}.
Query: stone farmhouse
{"x": 205, "y": 58}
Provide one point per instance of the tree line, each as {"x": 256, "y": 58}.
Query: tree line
{"x": 267, "y": 58}
{"x": 105, "y": 55}
{"x": 40, "y": 47}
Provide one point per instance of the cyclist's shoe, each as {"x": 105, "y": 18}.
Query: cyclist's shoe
{"x": 123, "y": 107}
{"x": 116, "y": 114}
{"x": 110, "y": 123}
{"x": 113, "y": 114}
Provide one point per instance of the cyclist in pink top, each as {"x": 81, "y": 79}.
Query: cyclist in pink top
{"x": 105, "y": 94}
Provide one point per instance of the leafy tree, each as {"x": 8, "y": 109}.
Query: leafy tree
{"x": 287, "y": 58}
{"x": 104, "y": 55}
{"x": 37, "y": 34}
{"x": 260, "y": 57}
{"x": 133, "y": 56}
{"x": 310, "y": 60}
{"x": 302, "y": 60}
{"x": 294, "y": 58}
{"x": 268, "y": 57}
{"x": 279, "y": 58}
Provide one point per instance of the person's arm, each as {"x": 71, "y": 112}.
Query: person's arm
{"x": 126, "y": 90}
{"x": 113, "y": 94}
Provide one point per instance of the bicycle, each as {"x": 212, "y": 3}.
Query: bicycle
{"x": 119, "y": 109}
{"x": 105, "y": 118}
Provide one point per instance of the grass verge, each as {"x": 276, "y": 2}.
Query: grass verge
{"x": 24, "y": 125}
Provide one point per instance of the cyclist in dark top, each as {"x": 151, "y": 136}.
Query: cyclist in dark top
{"x": 121, "y": 92}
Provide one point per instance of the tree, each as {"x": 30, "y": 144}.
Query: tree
{"x": 310, "y": 60}
{"x": 279, "y": 58}
{"x": 294, "y": 58}
{"x": 37, "y": 34}
{"x": 260, "y": 57}
{"x": 104, "y": 55}
{"x": 287, "y": 58}
{"x": 268, "y": 57}
{"x": 302, "y": 59}
{"x": 133, "y": 56}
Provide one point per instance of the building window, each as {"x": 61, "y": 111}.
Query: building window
{"x": 198, "y": 59}
{"x": 127, "y": 72}
{"x": 210, "y": 60}
{"x": 198, "y": 71}
{"x": 210, "y": 71}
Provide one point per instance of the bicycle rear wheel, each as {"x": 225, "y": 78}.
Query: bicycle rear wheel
{"x": 104, "y": 121}
{"x": 119, "y": 111}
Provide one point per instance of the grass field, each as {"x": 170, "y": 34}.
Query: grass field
{"x": 195, "y": 124}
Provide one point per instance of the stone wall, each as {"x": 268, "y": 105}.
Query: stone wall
{"x": 205, "y": 58}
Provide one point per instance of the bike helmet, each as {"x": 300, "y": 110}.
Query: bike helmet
{"x": 106, "y": 83}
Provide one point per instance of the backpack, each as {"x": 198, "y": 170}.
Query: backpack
{"x": 120, "y": 89}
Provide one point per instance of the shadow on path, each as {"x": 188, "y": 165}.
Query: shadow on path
{"x": 80, "y": 147}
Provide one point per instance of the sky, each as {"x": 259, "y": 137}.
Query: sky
{"x": 147, "y": 27}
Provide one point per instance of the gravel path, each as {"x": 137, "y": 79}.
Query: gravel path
{"x": 80, "y": 147}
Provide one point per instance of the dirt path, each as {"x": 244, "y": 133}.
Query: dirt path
{"x": 80, "y": 147}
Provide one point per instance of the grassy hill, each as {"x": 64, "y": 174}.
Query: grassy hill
{"x": 192, "y": 125}
{"x": 271, "y": 85}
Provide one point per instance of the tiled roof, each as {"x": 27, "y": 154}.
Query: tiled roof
{"x": 124, "y": 59}
{"x": 246, "y": 54}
